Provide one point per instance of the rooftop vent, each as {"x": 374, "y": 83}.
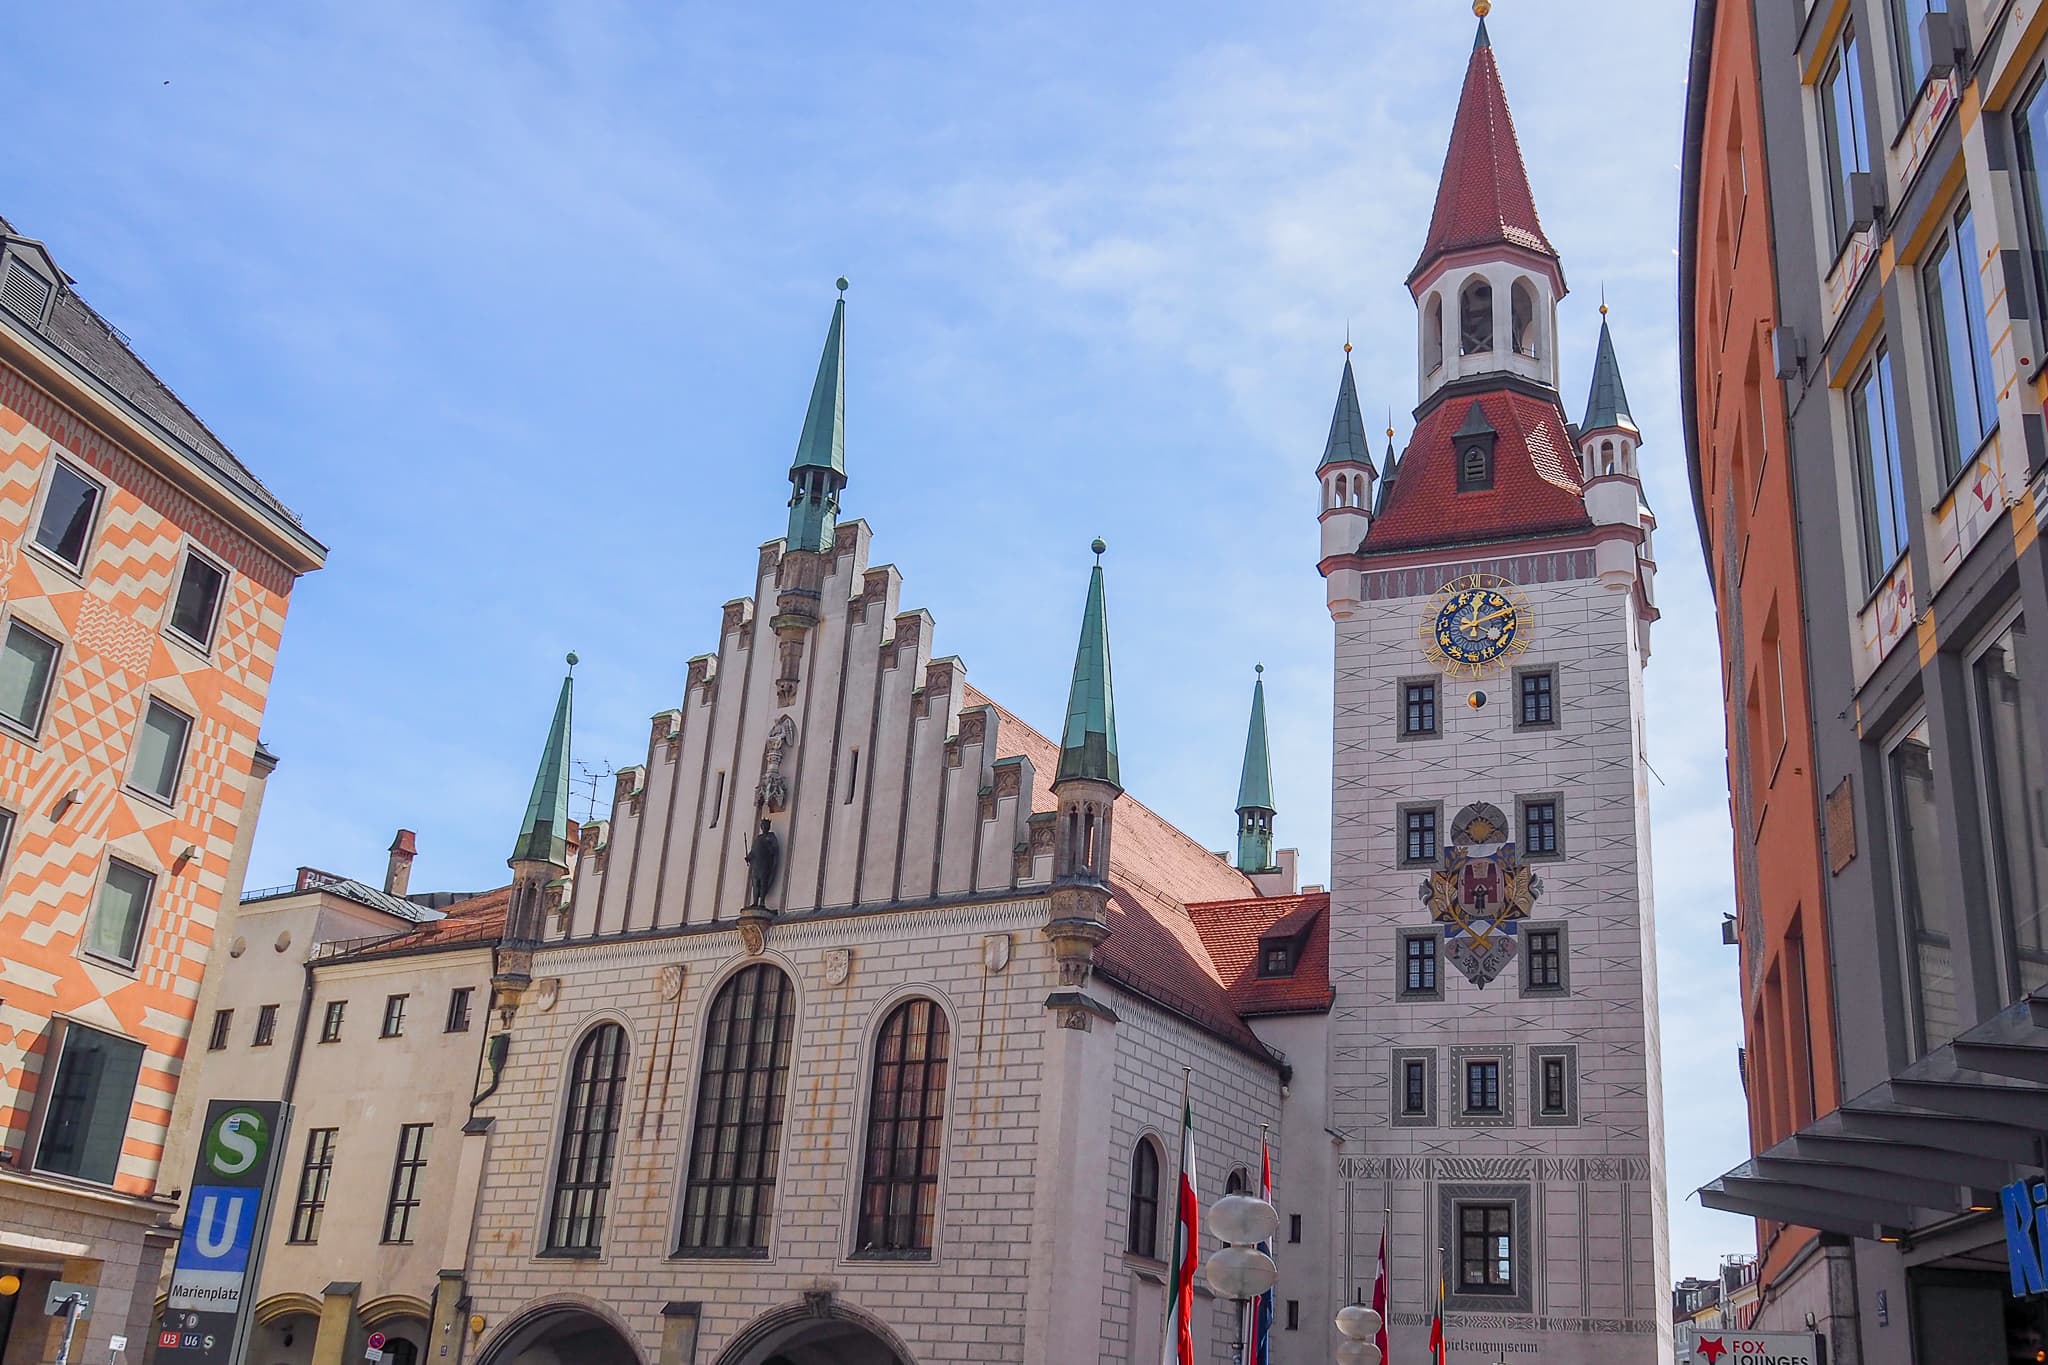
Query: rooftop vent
{"x": 26, "y": 293}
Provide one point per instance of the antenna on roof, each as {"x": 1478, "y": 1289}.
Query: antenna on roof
{"x": 592, "y": 777}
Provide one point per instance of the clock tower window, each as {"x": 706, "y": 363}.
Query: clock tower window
{"x": 1475, "y": 318}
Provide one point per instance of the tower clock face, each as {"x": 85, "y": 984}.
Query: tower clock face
{"x": 1477, "y": 624}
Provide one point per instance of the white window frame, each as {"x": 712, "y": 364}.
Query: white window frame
{"x": 168, "y": 801}
{"x": 33, "y": 733}
{"x": 142, "y": 926}
{"x": 191, "y": 553}
{"x": 59, "y": 456}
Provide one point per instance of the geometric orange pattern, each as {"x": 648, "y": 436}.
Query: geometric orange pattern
{"x": 115, "y": 654}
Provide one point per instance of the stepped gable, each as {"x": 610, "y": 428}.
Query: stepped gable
{"x": 474, "y": 922}
{"x": 1535, "y": 489}
{"x": 1232, "y": 931}
{"x": 1153, "y": 948}
{"x": 1483, "y": 199}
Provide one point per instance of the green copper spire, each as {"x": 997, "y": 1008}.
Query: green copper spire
{"x": 1255, "y": 790}
{"x": 1379, "y": 505}
{"x": 1088, "y": 743}
{"x": 1607, "y": 404}
{"x": 1347, "y": 425}
{"x": 819, "y": 471}
{"x": 544, "y": 833}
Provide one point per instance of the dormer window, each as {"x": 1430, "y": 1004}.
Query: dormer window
{"x": 1473, "y": 445}
{"x": 28, "y": 280}
{"x": 1276, "y": 958}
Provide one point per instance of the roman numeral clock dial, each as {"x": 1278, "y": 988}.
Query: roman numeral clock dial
{"x": 1478, "y": 624}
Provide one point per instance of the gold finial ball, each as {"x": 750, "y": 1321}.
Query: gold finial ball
{"x": 1603, "y": 310}
{"x": 1347, "y": 348}
{"x": 1098, "y": 545}
{"x": 1482, "y": 8}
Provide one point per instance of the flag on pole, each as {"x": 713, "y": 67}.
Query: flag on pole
{"x": 1259, "y": 1312}
{"x": 1439, "y": 1345}
{"x": 1379, "y": 1298}
{"x": 1187, "y": 1247}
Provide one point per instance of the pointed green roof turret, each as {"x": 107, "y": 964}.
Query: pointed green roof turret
{"x": 1088, "y": 742}
{"x": 1607, "y": 404}
{"x": 823, "y": 443}
{"x": 1379, "y": 504}
{"x": 1347, "y": 443}
{"x": 544, "y": 833}
{"x": 1255, "y": 787}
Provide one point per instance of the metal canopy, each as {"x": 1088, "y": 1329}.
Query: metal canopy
{"x": 1928, "y": 1143}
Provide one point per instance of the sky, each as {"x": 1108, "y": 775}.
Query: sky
{"x": 518, "y": 305}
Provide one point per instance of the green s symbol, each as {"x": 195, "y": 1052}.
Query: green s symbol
{"x": 237, "y": 1142}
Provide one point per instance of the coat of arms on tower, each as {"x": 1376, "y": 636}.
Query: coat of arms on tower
{"x": 1478, "y": 891}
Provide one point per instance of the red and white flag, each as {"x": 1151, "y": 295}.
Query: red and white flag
{"x": 1187, "y": 1249}
{"x": 1439, "y": 1342}
{"x": 1379, "y": 1299}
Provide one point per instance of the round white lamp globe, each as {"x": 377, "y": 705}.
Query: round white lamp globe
{"x": 1358, "y": 1322}
{"x": 1242, "y": 1273}
{"x": 1244, "y": 1221}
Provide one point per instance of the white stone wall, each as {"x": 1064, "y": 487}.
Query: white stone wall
{"x": 1595, "y": 1251}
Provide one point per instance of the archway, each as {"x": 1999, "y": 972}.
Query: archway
{"x": 564, "y": 1335}
{"x": 816, "y": 1333}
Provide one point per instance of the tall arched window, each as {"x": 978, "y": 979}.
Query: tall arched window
{"x": 1433, "y": 334}
{"x": 899, "y": 1195}
{"x": 590, "y": 1133}
{"x": 1240, "y": 1180}
{"x": 1343, "y": 493}
{"x": 737, "y": 1140}
{"x": 1475, "y": 318}
{"x": 1522, "y": 304}
{"x": 1144, "y": 1234}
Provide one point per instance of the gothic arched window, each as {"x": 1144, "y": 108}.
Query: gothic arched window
{"x": 1433, "y": 334}
{"x": 899, "y": 1193}
{"x": 1143, "y": 1239}
{"x": 1240, "y": 1179}
{"x": 737, "y": 1140}
{"x": 1522, "y": 304}
{"x": 590, "y": 1133}
{"x": 1475, "y": 318}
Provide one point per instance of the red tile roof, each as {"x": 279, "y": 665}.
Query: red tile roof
{"x": 468, "y": 923}
{"x": 1153, "y": 948}
{"x": 1535, "y": 478}
{"x": 1233, "y": 931}
{"x": 1484, "y": 198}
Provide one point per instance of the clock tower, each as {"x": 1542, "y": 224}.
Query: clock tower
{"x": 1493, "y": 1062}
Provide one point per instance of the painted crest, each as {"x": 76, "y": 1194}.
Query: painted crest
{"x": 995, "y": 953}
{"x": 546, "y": 992}
{"x": 669, "y": 980}
{"x": 838, "y": 965}
{"x": 773, "y": 792}
{"x": 1479, "y": 899}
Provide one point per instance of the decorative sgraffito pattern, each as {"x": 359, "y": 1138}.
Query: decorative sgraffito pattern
{"x": 113, "y": 659}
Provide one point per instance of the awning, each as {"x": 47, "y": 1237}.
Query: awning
{"x": 1936, "y": 1140}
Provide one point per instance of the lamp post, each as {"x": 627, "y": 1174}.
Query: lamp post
{"x": 1358, "y": 1326}
{"x": 1241, "y": 1272}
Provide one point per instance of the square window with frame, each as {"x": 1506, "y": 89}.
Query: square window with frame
{"x": 64, "y": 522}
{"x": 1276, "y": 959}
{"x": 1555, "y": 1086}
{"x": 1413, "y": 1086}
{"x": 1421, "y": 977}
{"x": 1544, "y": 966}
{"x": 1482, "y": 1086}
{"x": 90, "y": 1097}
{"x": 1486, "y": 1248}
{"x": 28, "y": 665}
{"x": 1535, "y": 699}
{"x": 1419, "y": 834}
{"x": 1419, "y": 698}
{"x": 195, "y": 606}
{"x": 394, "y": 1017}
{"x": 266, "y": 1026}
{"x": 120, "y": 913}
{"x": 1542, "y": 827}
{"x": 330, "y": 1022}
{"x": 160, "y": 751}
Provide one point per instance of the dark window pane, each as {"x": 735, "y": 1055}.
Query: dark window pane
{"x": 394, "y": 1016}
{"x": 66, "y": 523}
{"x": 266, "y": 1026}
{"x": 1415, "y": 1087}
{"x": 1419, "y": 952}
{"x": 906, "y": 1114}
{"x": 330, "y": 1027}
{"x": 1420, "y": 836}
{"x": 458, "y": 1009}
{"x": 26, "y": 662}
{"x": 1144, "y": 1232}
{"x": 223, "y": 1020}
{"x": 1921, "y": 892}
{"x": 314, "y": 1177}
{"x": 199, "y": 590}
{"x": 1962, "y": 350}
{"x": 1881, "y": 475}
{"x": 1486, "y": 1259}
{"x": 1553, "y": 1085}
{"x": 1539, "y": 827}
{"x": 1545, "y": 948}
{"x": 1419, "y": 710}
{"x": 2030, "y": 141}
{"x": 407, "y": 1182}
{"x": 737, "y": 1140}
{"x": 2017, "y": 782}
{"x": 1538, "y": 699}
{"x": 91, "y": 1095}
{"x": 1482, "y": 1087}
{"x": 583, "y": 1163}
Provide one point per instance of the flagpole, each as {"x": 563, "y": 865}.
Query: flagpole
{"x": 1168, "y": 1335}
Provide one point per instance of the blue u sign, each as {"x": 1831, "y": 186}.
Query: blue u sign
{"x": 220, "y": 1225}
{"x": 2026, "y": 1236}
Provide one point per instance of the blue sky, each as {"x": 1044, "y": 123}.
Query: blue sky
{"x": 518, "y": 304}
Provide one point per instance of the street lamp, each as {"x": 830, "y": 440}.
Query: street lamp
{"x": 1241, "y": 1272}
{"x": 1358, "y": 1326}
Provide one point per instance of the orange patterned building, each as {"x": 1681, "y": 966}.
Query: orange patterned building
{"x": 144, "y": 577}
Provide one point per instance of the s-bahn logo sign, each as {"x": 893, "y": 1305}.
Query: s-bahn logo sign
{"x": 1479, "y": 891}
{"x": 2026, "y": 1236}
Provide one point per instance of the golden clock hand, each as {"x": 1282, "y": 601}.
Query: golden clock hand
{"x": 1478, "y": 621}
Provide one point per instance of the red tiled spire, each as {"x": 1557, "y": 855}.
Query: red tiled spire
{"x": 1484, "y": 198}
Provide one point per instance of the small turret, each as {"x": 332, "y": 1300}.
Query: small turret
{"x": 1609, "y": 444}
{"x": 1086, "y": 787}
{"x": 816, "y": 477}
{"x": 540, "y": 856}
{"x": 1255, "y": 791}
{"x": 1346, "y": 471}
{"x": 1608, "y": 437}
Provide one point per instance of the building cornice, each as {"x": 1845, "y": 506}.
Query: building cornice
{"x": 1690, "y": 169}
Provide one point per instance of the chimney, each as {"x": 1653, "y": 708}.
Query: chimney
{"x": 398, "y": 872}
